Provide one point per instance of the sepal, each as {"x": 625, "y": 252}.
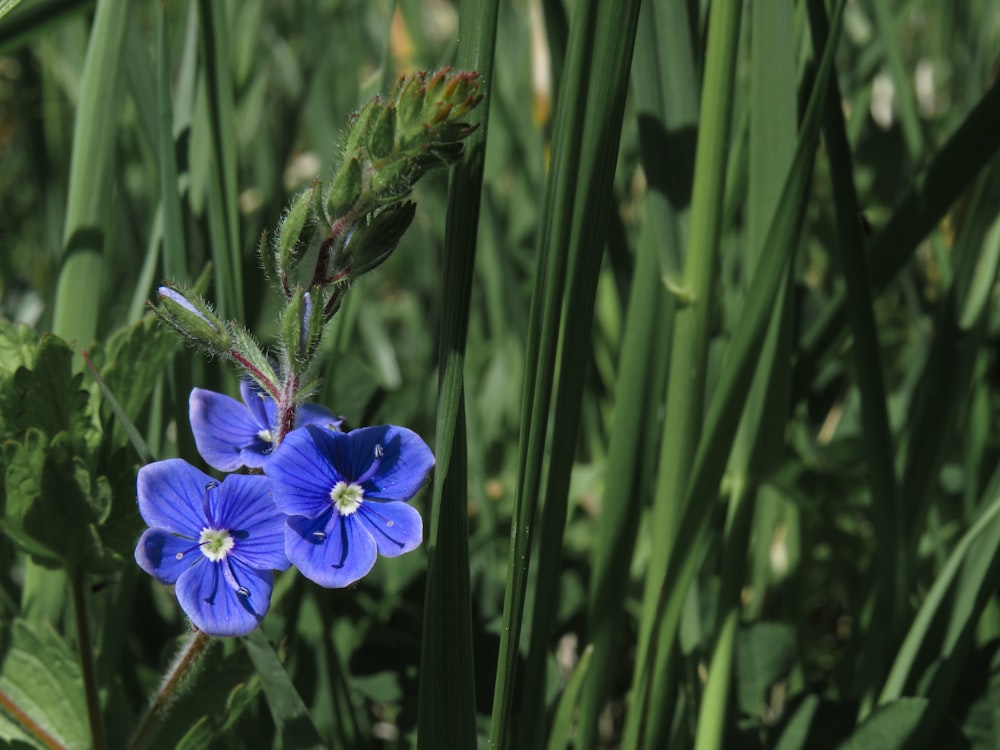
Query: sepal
{"x": 300, "y": 330}
{"x": 295, "y": 232}
{"x": 248, "y": 354}
{"x": 193, "y": 317}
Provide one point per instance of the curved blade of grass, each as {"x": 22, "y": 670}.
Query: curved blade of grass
{"x": 654, "y": 659}
{"x": 986, "y": 531}
{"x": 562, "y": 723}
{"x": 291, "y": 718}
{"x": 34, "y": 19}
{"x": 446, "y": 711}
{"x": 890, "y": 590}
{"x": 951, "y": 171}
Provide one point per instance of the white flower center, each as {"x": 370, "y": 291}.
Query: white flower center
{"x": 215, "y": 543}
{"x": 347, "y": 497}
{"x": 266, "y": 436}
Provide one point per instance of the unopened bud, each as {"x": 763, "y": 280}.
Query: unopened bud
{"x": 300, "y": 331}
{"x": 295, "y": 232}
{"x": 382, "y": 132}
{"x": 193, "y": 317}
{"x": 373, "y": 241}
{"x": 344, "y": 190}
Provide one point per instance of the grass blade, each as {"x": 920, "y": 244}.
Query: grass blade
{"x": 689, "y": 352}
{"x": 446, "y": 713}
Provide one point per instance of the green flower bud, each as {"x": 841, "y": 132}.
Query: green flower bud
{"x": 354, "y": 140}
{"x": 392, "y": 181}
{"x": 344, "y": 190}
{"x": 372, "y": 241}
{"x": 193, "y": 317}
{"x": 382, "y": 132}
{"x": 299, "y": 330}
{"x": 267, "y": 257}
{"x": 294, "y": 232}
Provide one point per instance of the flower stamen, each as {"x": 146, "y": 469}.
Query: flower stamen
{"x": 379, "y": 452}
{"x": 347, "y": 497}
{"x": 216, "y": 543}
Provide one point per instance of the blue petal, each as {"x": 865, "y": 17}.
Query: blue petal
{"x": 404, "y": 466}
{"x": 213, "y": 604}
{"x": 246, "y": 508}
{"x": 257, "y": 403}
{"x": 318, "y": 415}
{"x": 170, "y": 496}
{"x": 332, "y": 550}
{"x": 225, "y": 431}
{"x": 157, "y": 552}
{"x": 396, "y": 527}
{"x": 301, "y": 474}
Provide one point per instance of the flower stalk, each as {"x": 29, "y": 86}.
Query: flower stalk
{"x": 173, "y": 682}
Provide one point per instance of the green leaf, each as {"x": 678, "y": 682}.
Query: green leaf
{"x": 287, "y": 707}
{"x": 53, "y": 505}
{"x": 38, "y": 388}
{"x": 134, "y": 359}
{"x": 39, "y": 675}
{"x": 766, "y": 652}
{"x": 6, "y": 6}
{"x": 796, "y": 732}
{"x": 888, "y": 728}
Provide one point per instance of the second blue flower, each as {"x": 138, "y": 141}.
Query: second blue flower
{"x": 345, "y": 495}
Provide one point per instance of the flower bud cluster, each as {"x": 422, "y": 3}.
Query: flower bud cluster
{"x": 349, "y": 228}
{"x": 356, "y": 223}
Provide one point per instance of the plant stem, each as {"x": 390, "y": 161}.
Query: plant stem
{"x": 97, "y": 737}
{"x": 182, "y": 667}
{"x": 28, "y": 724}
{"x": 286, "y": 407}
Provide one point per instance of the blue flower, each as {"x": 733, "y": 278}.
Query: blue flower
{"x": 230, "y": 435}
{"x": 218, "y": 543}
{"x": 345, "y": 497}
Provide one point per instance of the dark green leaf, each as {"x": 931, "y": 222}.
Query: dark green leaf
{"x": 39, "y": 675}
{"x": 287, "y": 707}
{"x": 37, "y": 386}
{"x": 888, "y": 728}
{"x": 53, "y": 504}
{"x": 766, "y": 652}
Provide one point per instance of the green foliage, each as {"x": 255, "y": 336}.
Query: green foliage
{"x": 41, "y": 677}
{"x": 714, "y": 403}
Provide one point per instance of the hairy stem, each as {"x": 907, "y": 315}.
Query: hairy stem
{"x": 170, "y": 688}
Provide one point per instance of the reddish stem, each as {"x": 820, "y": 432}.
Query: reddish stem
{"x": 286, "y": 408}
{"x": 265, "y": 381}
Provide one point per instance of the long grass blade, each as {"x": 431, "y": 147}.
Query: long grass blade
{"x": 577, "y": 198}
{"x": 689, "y": 355}
{"x": 447, "y": 698}
{"x": 655, "y": 665}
